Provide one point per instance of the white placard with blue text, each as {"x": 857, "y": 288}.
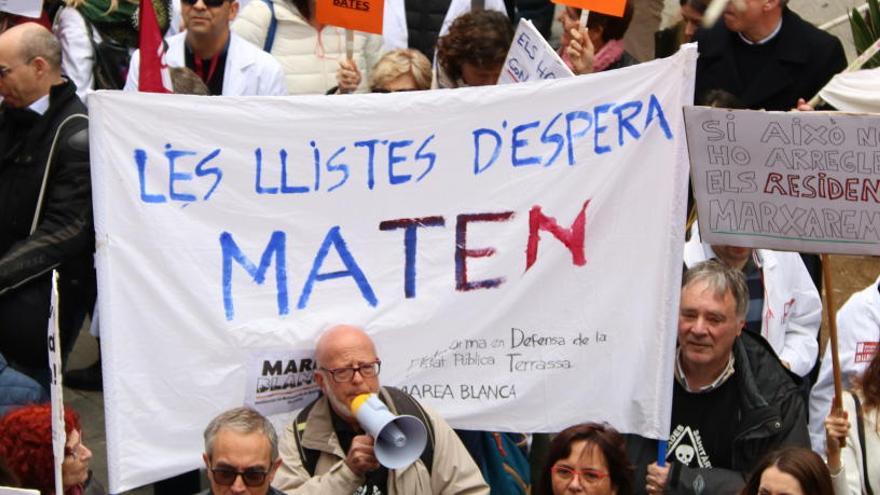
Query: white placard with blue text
{"x": 531, "y": 58}
{"x": 515, "y": 251}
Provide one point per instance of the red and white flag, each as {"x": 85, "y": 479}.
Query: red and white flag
{"x": 153, "y": 75}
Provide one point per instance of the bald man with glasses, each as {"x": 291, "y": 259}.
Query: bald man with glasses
{"x": 226, "y": 63}
{"x": 325, "y": 451}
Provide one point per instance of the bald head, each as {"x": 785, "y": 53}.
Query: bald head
{"x": 30, "y": 62}
{"x": 31, "y": 40}
{"x": 340, "y": 340}
{"x": 341, "y": 348}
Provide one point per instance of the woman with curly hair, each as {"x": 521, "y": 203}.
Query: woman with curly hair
{"x": 474, "y": 49}
{"x": 587, "y": 458}
{"x": 789, "y": 471}
{"x": 855, "y": 468}
{"x": 26, "y": 448}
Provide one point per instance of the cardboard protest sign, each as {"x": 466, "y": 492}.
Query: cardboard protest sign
{"x": 531, "y": 58}
{"x": 610, "y": 7}
{"x": 795, "y": 181}
{"x": 506, "y": 243}
{"x": 24, "y": 8}
{"x": 357, "y": 15}
{"x": 56, "y": 391}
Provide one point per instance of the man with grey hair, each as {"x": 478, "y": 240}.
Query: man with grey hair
{"x": 241, "y": 453}
{"x": 732, "y": 400}
{"x": 766, "y": 56}
{"x": 45, "y": 199}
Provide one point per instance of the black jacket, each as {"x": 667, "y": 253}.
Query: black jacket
{"x": 772, "y": 415}
{"x": 424, "y": 18}
{"x": 64, "y": 236}
{"x": 804, "y": 60}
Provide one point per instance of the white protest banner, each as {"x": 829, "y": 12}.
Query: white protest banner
{"x": 515, "y": 251}
{"x": 24, "y": 8}
{"x": 795, "y": 181}
{"x": 56, "y": 390}
{"x": 531, "y": 58}
{"x": 7, "y": 490}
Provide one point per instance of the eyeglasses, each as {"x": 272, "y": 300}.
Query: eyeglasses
{"x": 588, "y": 476}
{"x": 226, "y": 476}
{"x": 5, "y": 71}
{"x": 208, "y": 3}
{"x": 343, "y": 375}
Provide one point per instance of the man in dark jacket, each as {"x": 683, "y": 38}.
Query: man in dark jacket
{"x": 733, "y": 401}
{"x": 766, "y": 56}
{"x": 45, "y": 199}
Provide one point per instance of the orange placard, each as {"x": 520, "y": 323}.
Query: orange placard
{"x": 610, "y": 7}
{"x": 357, "y": 15}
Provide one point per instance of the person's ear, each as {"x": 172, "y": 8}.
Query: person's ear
{"x": 207, "y": 461}
{"x": 41, "y": 65}
{"x": 274, "y": 468}
{"x": 233, "y": 9}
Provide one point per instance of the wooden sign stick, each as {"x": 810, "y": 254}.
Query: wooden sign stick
{"x": 831, "y": 311}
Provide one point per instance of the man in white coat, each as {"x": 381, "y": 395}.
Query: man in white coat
{"x": 227, "y": 64}
{"x": 787, "y": 306}
{"x": 858, "y": 339}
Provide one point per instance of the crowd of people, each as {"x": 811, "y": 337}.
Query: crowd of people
{"x": 751, "y": 408}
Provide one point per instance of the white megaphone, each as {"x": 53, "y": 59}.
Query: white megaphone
{"x": 398, "y": 440}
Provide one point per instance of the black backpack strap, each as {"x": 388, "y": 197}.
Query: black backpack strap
{"x": 860, "y": 425}
{"x": 403, "y": 403}
{"x": 308, "y": 456}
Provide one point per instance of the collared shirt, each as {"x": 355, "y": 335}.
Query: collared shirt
{"x": 723, "y": 377}
{"x": 763, "y": 41}
{"x": 41, "y": 105}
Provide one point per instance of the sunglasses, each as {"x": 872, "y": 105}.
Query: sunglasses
{"x": 208, "y": 3}
{"x": 226, "y": 476}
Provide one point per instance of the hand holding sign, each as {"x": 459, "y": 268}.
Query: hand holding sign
{"x": 580, "y": 51}
{"x": 348, "y": 76}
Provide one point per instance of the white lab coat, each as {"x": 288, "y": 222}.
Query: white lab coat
{"x": 395, "y": 32}
{"x": 249, "y": 71}
{"x": 858, "y": 328}
{"x": 792, "y": 309}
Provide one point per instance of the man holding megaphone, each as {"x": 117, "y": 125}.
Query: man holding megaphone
{"x": 358, "y": 437}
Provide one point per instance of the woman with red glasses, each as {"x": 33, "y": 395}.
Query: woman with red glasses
{"x": 26, "y": 448}
{"x": 589, "y": 458}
